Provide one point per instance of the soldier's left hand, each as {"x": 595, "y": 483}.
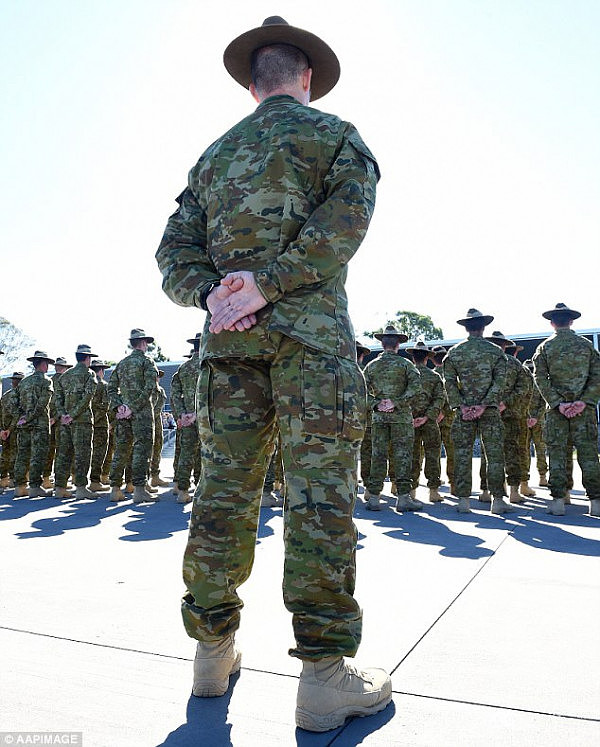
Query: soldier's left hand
{"x": 237, "y": 311}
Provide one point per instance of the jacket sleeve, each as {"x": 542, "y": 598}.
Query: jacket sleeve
{"x": 88, "y": 394}
{"x": 42, "y": 401}
{"x": 542, "y": 379}
{"x": 413, "y": 383}
{"x": 148, "y": 385}
{"x": 494, "y": 393}
{"x": 114, "y": 395}
{"x": 451, "y": 385}
{"x": 436, "y": 402}
{"x": 177, "y": 396}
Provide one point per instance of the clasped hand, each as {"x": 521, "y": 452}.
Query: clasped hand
{"x": 472, "y": 412}
{"x": 571, "y": 409}
{"x": 233, "y": 303}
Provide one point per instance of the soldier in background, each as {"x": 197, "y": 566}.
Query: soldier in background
{"x": 100, "y": 410}
{"x": 524, "y": 488}
{"x": 365, "y": 448}
{"x": 33, "y": 426}
{"x": 474, "y": 375}
{"x": 74, "y": 392}
{"x": 159, "y": 397}
{"x": 446, "y": 416}
{"x": 9, "y": 415}
{"x": 60, "y": 366}
{"x": 567, "y": 372}
{"x": 392, "y": 383}
{"x": 426, "y": 409}
{"x": 130, "y": 390}
{"x": 536, "y": 417}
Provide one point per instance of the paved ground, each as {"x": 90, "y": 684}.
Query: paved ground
{"x": 489, "y": 626}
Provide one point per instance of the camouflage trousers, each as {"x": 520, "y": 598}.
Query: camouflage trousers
{"x": 189, "y": 445}
{"x": 133, "y": 441}
{"x": 536, "y": 435}
{"x": 275, "y": 468}
{"x": 365, "y": 455}
{"x": 396, "y": 441}
{"x": 32, "y": 450}
{"x": 8, "y": 456}
{"x": 582, "y": 432}
{"x": 52, "y": 446}
{"x": 177, "y": 450}
{"x": 490, "y": 430}
{"x": 427, "y": 441}
{"x": 446, "y": 434}
{"x": 110, "y": 450}
{"x": 316, "y": 402}
{"x": 157, "y": 445}
{"x": 515, "y": 448}
{"x": 74, "y": 450}
{"x": 99, "y": 449}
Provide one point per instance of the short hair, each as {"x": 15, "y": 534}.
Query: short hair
{"x": 276, "y": 66}
{"x": 389, "y": 341}
{"x": 419, "y": 355}
{"x": 79, "y": 357}
{"x": 561, "y": 318}
{"x": 135, "y": 343}
{"x": 196, "y": 346}
{"x": 474, "y": 325}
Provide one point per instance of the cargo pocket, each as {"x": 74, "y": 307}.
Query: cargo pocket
{"x": 204, "y": 405}
{"x": 352, "y": 400}
{"x": 319, "y": 393}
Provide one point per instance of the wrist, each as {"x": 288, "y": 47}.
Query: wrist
{"x": 205, "y": 292}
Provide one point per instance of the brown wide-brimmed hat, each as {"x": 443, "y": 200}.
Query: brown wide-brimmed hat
{"x": 139, "y": 334}
{"x": 85, "y": 350}
{"x": 193, "y": 340}
{"x": 17, "y": 376}
{"x": 97, "y": 364}
{"x": 41, "y": 355}
{"x": 237, "y": 58}
{"x": 62, "y": 361}
{"x": 561, "y": 308}
{"x": 391, "y": 331}
{"x": 419, "y": 345}
{"x": 514, "y": 346}
{"x": 498, "y": 338}
{"x": 191, "y": 354}
{"x": 438, "y": 350}
{"x": 476, "y": 314}
{"x": 361, "y": 349}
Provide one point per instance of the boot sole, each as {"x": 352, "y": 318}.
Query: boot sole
{"x": 211, "y": 688}
{"x": 317, "y": 722}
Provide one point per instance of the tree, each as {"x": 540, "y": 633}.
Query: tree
{"x": 15, "y": 344}
{"x": 414, "y": 325}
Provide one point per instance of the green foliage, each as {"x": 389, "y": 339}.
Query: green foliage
{"x": 14, "y": 343}
{"x": 412, "y": 324}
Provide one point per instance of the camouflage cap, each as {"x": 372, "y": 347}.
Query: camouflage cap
{"x": 561, "y": 308}
{"x": 18, "y": 375}
{"x": 41, "y": 355}
{"x": 139, "y": 334}
{"x": 84, "y": 350}
{"x": 97, "y": 364}
{"x": 498, "y": 338}
{"x": 237, "y": 58}
{"x": 476, "y": 314}
{"x": 419, "y": 345}
{"x": 438, "y": 350}
{"x": 198, "y": 337}
{"x": 391, "y": 331}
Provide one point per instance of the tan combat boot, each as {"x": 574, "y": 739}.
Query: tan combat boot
{"x": 156, "y": 482}
{"x": 141, "y": 495}
{"x": 214, "y": 663}
{"x": 434, "y": 496}
{"x": 38, "y": 492}
{"x": 129, "y": 488}
{"x": 372, "y": 502}
{"x": 595, "y": 507}
{"x": 406, "y": 503}
{"x": 105, "y": 479}
{"x": 394, "y": 488}
{"x": 525, "y": 490}
{"x": 568, "y": 498}
{"x": 20, "y": 491}
{"x": 485, "y": 497}
{"x": 82, "y": 493}
{"x": 62, "y": 493}
{"x": 500, "y": 506}
{"x": 98, "y": 487}
{"x": 151, "y": 488}
{"x": 543, "y": 483}
{"x": 4, "y": 482}
{"x": 47, "y": 483}
{"x": 556, "y": 507}
{"x": 331, "y": 690}
{"x": 515, "y": 496}
{"x": 464, "y": 506}
{"x": 413, "y": 493}
{"x": 452, "y": 489}
{"x": 184, "y": 497}
{"x": 117, "y": 495}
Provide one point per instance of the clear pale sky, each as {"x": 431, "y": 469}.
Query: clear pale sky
{"x": 483, "y": 114}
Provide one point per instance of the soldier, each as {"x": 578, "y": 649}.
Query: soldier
{"x": 159, "y": 397}
{"x": 60, "y": 366}
{"x": 535, "y": 423}
{"x": 524, "y": 488}
{"x": 446, "y": 416}
{"x": 266, "y": 252}
{"x": 392, "y": 383}
{"x": 518, "y": 386}
{"x": 365, "y": 448}
{"x": 426, "y": 410}
{"x": 567, "y": 372}
{"x": 474, "y": 374}
{"x": 33, "y": 426}
{"x": 130, "y": 390}
{"x": 100, "y": 409}
{"x": 9, "y": 415}
{"x": 74, "y": 392}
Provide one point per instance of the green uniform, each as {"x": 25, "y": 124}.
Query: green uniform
{"x": 392, "y": 377}
{"x": 132, "y": 383}
{"x": 287, "y": 193}
{"x": 74, "y": 392}
{"x": 54, "y": 429}
{"x": 33, "y": 403}
{"x": 446, "y": 431}
{"x": 537, "y": 409}
{"x": 159, "y": 397}
{"x": 474, "y": 374}
{"x": 427, "y": 436}
{"x": 567, "y": 369}
{"x": 183, "y": 400}
{"x": 100, "y": 408}
{"x": 8, "y": 422}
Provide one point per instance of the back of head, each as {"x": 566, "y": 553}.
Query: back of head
{"x": 277, "y": 66}
{"x": 474, "y": 325}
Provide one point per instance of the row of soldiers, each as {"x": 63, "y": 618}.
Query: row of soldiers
{"x": 480, "y": 389}
{"x": 97, "y": 432}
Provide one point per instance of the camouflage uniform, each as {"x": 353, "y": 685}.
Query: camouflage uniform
{"x": 474, "y": 373}
{"x": 33, "y": 400}
{"x": 8, "y": 422}
{"x": 159, "y": 397}
{"x": 567, "y": 369}
{"x": 183, "y": 400}
{"x": 100, "y": 408}
{"x": 446, "y": 430}
{"x": 52, "y": 444}
{"x": 390, "y": 376}
{"x": 427, "y": 436}
{"x": 132, "y": 383}
{"x": 537, "y": 409}
{"x": 74, "y": 392}
{"x": 287, "y": 193}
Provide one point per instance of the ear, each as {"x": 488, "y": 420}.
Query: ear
{"x": 306, "y": 78}
{"x": 254, "y": 93}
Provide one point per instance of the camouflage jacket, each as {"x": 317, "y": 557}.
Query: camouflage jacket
{"x": 474, "y": 373}
{"x": 287, "y": 194}
{"x": 390, "y": 376}
{"x": 518, "y": 386}
{"x": 33, "y": 400}
{"x": 100, "y": 403}
{"x": 132, "y": 382}
{"x": 567, "y": 369}
{"x": 446, "y": 409}
{"x": 183, "y": 387}
{"x": 54, "y": 378}
{"x": 158, "y": 399}
{"x": 74, "y": 391}
{"x": 9, "y": 413}
{"x": 432, "y": 397}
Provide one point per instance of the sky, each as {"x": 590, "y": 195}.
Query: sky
{"x": 483, "y": 115}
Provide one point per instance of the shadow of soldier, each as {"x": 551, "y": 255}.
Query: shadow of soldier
{"x": 354, "y": 731}
{"x": 156, "y": 521}
{"x": 546, "y": 532}
{"x": 17, "y": 508}
{"x": 75, "y": 515}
